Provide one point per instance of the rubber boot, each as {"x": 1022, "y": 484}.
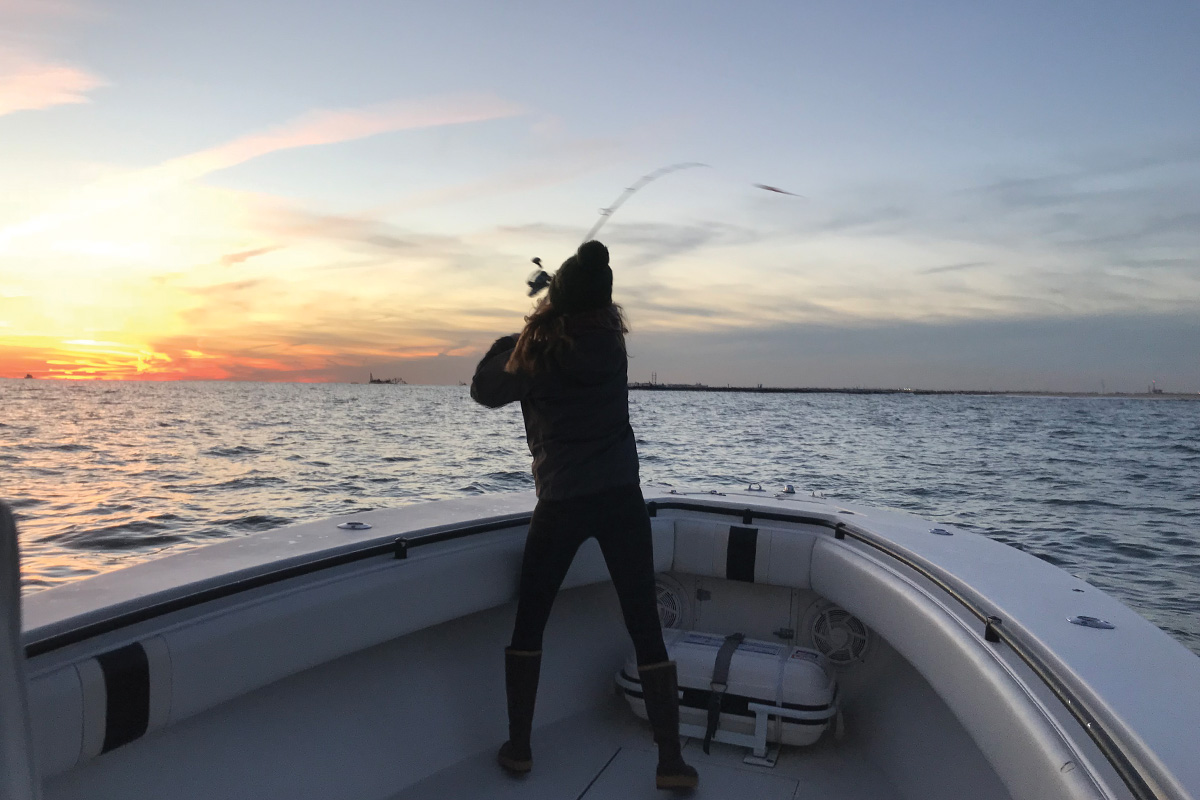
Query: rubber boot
{"x": 660, "y": 690}
{"x": 521, "y": 670}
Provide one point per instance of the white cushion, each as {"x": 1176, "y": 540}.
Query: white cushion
{"x": 783, "y": 556}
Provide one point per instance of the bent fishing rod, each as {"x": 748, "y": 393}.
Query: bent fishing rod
{"x": 540, "y": 279}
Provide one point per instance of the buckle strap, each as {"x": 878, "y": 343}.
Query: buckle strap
{"x": 720, "y": 683}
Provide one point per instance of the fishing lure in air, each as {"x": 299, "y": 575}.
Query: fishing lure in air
{"x": 775, "y": 189}
{"x": 540, "y": 279}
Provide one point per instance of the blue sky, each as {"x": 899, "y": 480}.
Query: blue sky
{"x": 308, "y": 190}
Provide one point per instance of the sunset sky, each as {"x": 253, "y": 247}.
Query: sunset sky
{"x": 994, "y": 196}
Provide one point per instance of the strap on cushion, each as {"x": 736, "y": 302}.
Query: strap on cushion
{"x": 720, "y": 682}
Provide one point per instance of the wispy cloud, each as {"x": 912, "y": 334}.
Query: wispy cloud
{"x": 30, "y": 83}
{"x": 240, "y": 257}
{"x": 641, "y": 244}
{"x": 31, "y": 76}
{"x": 954, "y": 267}
{"x": 331, "y": 127}
{"x": 321, "y": 127}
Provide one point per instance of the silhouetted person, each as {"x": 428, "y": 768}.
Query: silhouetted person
{"x": 568, "y": 368}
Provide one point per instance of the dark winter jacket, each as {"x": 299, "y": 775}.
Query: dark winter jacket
{"x": 576, "y": 413}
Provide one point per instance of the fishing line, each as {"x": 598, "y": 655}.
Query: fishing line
{"x": 605, "y": 213}
{"x": 540, "y": 279}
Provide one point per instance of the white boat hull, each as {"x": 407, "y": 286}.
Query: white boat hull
{"x": 312, "y": 662}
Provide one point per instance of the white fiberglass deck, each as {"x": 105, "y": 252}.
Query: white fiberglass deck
{"x": 608, "y": 754}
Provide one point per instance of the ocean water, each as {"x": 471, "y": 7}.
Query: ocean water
{"x": 103, "y": 475}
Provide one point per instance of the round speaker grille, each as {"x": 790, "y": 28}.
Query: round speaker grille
{"x": 840, "y": 636}
{"x": 670, "y": 605}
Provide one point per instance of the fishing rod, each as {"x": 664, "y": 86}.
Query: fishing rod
{"x": 605, "y": 213}
{"x": 540, "y": 279}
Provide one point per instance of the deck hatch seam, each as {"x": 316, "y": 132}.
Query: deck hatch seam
{"x": 596, "y": 777}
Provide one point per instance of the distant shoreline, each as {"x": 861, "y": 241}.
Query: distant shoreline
{"x": 680, "y": 387}
{"x": 698, "y": 387}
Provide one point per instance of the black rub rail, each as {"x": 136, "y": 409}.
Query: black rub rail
{"x": 399, "y": 548}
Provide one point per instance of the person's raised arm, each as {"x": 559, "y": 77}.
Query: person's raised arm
{"x": 492, "y": 386}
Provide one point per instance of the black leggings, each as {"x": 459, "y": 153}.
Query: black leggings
{"x": 618, "y": 520}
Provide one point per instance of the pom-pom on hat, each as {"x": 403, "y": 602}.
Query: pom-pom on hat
{"x": 584, "y": 281}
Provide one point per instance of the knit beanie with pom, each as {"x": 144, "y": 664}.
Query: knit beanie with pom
{"x": 584, "y": 281}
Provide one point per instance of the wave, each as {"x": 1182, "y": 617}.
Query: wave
{"x": 258, "y": 522}
{"x": 1051, "y": 558}
{"x": 250, "y": 482}
{"x": 1139, "y": 551}
{"x": 231, "y": 452}
{"x": 25, "y": 502}
{"x": 1073, "y": 503}
{"x": 124, "y": 536}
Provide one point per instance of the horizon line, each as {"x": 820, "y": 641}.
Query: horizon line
{"x": 676, "y": 387}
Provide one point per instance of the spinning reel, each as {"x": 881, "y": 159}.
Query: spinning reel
{"x": 538, "y": 280}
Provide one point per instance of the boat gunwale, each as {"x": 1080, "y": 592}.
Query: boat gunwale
{"x": 1112, "y": 745}
{"x": 994, "y": 631}
{"x": 396, "y": 547}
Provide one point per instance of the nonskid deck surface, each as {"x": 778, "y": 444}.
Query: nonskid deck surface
{"x": 609, "y": 755}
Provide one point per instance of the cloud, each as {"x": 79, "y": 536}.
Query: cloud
{"x": 641, "y": 244}
{"x": 333, "y": 126}
{"x": 368, "y": 242}
{"x": 1093, "y": 166}
{"x": 245, "y": 255}
{"x": 314, "y": 128}
{"x": 224, "y": 290}
{"x": 1105, "y": 198}
{"x": 654, "y": 242}
{"x": 28, "y": 83}
{"x": 955, "y": 267}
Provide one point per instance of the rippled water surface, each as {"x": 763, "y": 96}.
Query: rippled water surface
{"x": 102, "y": 475}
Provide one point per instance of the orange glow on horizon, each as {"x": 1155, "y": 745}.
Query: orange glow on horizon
{"x": 88, "y": 360}
{"x": 151, "y": 274}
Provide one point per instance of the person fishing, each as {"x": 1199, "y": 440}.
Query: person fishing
{"x": 569, "y": 370}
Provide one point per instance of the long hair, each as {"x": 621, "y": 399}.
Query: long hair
{"x": 545, "y": 338}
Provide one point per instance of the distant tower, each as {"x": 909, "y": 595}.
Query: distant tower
{"x": 653, "y": 377}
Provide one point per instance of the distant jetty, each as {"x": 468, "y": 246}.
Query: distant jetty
{"x": 760, "y": 389}
{"x": 389, "y": 381}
